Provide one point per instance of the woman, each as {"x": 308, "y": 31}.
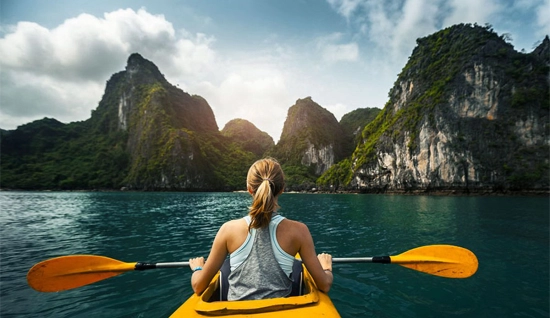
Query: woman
{"x": 262, "y": 245}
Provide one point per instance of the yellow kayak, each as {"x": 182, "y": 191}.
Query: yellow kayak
{"x": 312, "y": 303}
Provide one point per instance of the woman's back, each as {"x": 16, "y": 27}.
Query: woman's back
{"x": 284, "y": 259}
{"x": 289, "y": 235}
{"x": 265, "y": 182}
{"x": 258, "y": 267}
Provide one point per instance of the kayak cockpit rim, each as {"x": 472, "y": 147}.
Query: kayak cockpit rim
{"x": 210, "y": 305}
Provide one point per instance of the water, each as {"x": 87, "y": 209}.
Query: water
{"x": 509, "y": 235}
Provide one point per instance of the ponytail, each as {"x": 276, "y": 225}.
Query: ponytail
{"x": 265, "y": 181}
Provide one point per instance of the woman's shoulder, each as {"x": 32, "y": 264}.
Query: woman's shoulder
{"x": 293, "y": 222}
{"x": 292, "y": 235}
{"x": 295, "y": 226}
{"x": 234, "y": 223}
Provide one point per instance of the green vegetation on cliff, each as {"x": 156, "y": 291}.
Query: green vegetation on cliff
{"x": 47, "y": 154}
{"x": 353, "y": 124}
{"x": 248, "y": 136}
{"x": 448, "y": 78}
{"x": 145, "y": 135}
{"x": 466, "y": 106}
{"x": 311, "y": 136}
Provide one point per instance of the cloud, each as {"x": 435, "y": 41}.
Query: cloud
{"x": 543, "y": 18}
{"x": 393, "y": 26}
{"x": 61, "y": 71}
{"x": 341, "y": 52}
{"x": 331, "y": 51}
{"x": 81, "y": 48}
{"x": 255, "y": 90}
{"x": 418, "y": 18}
{"x": 27, "y": 97}
{"x": 338, "y": 110}
{"x": 471, "y": 11}
{"x": 345, "y": 7}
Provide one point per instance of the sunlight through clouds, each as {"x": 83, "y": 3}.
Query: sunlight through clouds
{"x": 262, "y": 99}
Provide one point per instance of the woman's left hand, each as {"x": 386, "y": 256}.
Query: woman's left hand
{"x": 196, "y": 262}
{"x": 326, "y": 261}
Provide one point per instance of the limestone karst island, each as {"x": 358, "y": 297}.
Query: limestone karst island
{"x": 467, "y": 114}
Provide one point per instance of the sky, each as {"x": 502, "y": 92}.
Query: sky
{"x": 250, "y": 59}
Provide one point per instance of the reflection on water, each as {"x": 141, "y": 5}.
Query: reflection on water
{"x": 507, "y": 235}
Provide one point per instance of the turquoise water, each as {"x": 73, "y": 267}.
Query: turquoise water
{"x": 509, "y": 235}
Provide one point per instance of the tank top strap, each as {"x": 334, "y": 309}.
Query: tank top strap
{"x": 276, "y": 219}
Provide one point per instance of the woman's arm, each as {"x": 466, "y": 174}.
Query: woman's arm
{"x": 201, "y": 278}
{"x": 320, "y": 267}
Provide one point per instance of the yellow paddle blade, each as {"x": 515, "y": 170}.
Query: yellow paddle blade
{"x": 68, "y": 272}
{"x": 440, "y": 260}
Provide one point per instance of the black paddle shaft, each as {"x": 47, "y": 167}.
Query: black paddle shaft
{"x": 143, "y": 266}
{"x": 376, "y": 259}
{"x": 381, "y": 259}
{"x": 140, "y": 266}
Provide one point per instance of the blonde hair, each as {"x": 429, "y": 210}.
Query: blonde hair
{"x": 265, "y": 181}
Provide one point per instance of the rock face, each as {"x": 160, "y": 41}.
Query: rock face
{"x": 353, "y": 123}
{"x": 467, "y": 113}
{"x": 248, "y": 136}
{"x": 164, "y": 126}
{"x": 311, "y": 138}
{"x": 145, "y": 134}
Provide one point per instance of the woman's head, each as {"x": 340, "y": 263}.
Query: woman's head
{"x": 265, "y": 181}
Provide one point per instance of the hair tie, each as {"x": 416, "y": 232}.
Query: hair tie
{"x": 267, "y": 179}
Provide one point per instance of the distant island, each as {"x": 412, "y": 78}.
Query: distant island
{"x": 467, "y": 115}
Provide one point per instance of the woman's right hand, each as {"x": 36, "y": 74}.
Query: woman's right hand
{"x": 196, "y": 262}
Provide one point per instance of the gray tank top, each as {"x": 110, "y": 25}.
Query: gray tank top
{"x": 260, "y": 276}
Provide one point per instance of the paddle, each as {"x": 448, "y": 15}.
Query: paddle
{"x": 68, "y": 272}
{"x": 439, "y": 260}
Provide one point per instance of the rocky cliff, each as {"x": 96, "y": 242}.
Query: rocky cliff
{"x": 311, "y": 142}
{"x": 467, "y": 113}
{"x": 248, "y": 136}
{"x": 353, "y": 124}
{"x": 145, "y": 134}
{"x": 165, "y": 128}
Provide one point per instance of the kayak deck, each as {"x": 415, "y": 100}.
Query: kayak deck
{"x": 312, "y": 303}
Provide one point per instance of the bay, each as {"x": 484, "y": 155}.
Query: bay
{"x": 509, "y": 235}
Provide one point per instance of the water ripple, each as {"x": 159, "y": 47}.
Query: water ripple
{"x": 166, "y": 227}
